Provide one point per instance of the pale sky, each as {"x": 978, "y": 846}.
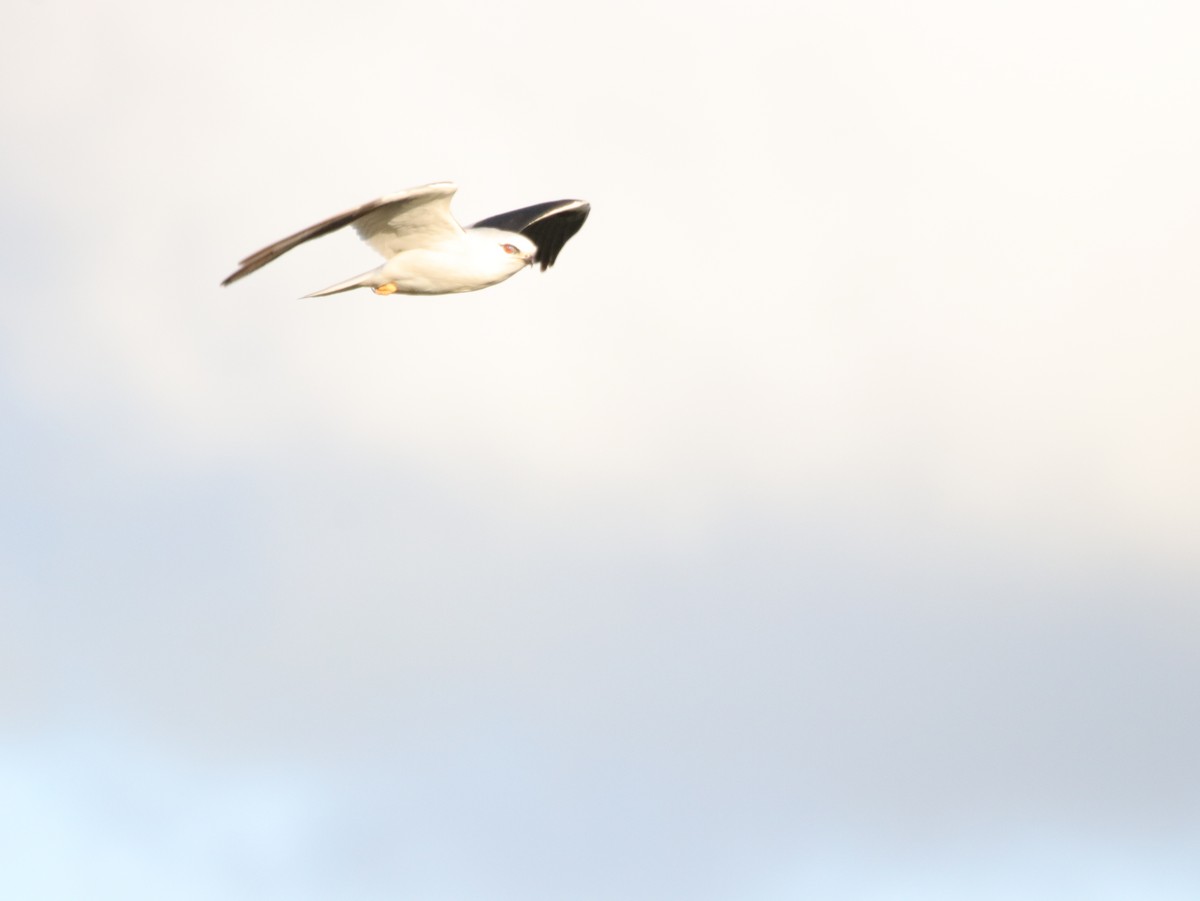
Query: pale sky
{"x": 825, "y": 524}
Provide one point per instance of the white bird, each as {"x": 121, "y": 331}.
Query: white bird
{"x": 428, "y": 252}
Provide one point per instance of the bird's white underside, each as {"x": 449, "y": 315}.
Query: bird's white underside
{"x": 476, "y": 259}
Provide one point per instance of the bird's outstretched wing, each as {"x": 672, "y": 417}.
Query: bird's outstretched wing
{"x": 417, "y": 217}
{"x": 548, "y": 225}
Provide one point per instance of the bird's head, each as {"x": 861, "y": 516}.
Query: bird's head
{"x": 509, "y": 250}
{"x": 518, "y": 247}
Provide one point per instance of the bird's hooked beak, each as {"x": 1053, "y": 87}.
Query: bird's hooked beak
{"x": 528, "y": 258}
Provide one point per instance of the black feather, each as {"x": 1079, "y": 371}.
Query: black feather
{"x": 548, "y": 225}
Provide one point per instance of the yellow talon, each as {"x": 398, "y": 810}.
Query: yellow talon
{"x": 386, "y": 288}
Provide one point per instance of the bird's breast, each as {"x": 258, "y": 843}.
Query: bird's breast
{"x": 450, "y": 271}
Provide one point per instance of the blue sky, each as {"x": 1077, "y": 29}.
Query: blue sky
{"x": 824, "y": 524}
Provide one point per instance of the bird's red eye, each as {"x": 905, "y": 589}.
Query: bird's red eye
{"x": 510, "y": 248}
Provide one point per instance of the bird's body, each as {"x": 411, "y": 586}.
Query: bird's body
{"x": 428, "y": 252}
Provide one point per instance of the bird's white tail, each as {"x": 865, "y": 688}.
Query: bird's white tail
{"x": 366, "y": 280}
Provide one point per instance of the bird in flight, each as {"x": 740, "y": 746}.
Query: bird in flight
{"x": 428, "y": 252}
